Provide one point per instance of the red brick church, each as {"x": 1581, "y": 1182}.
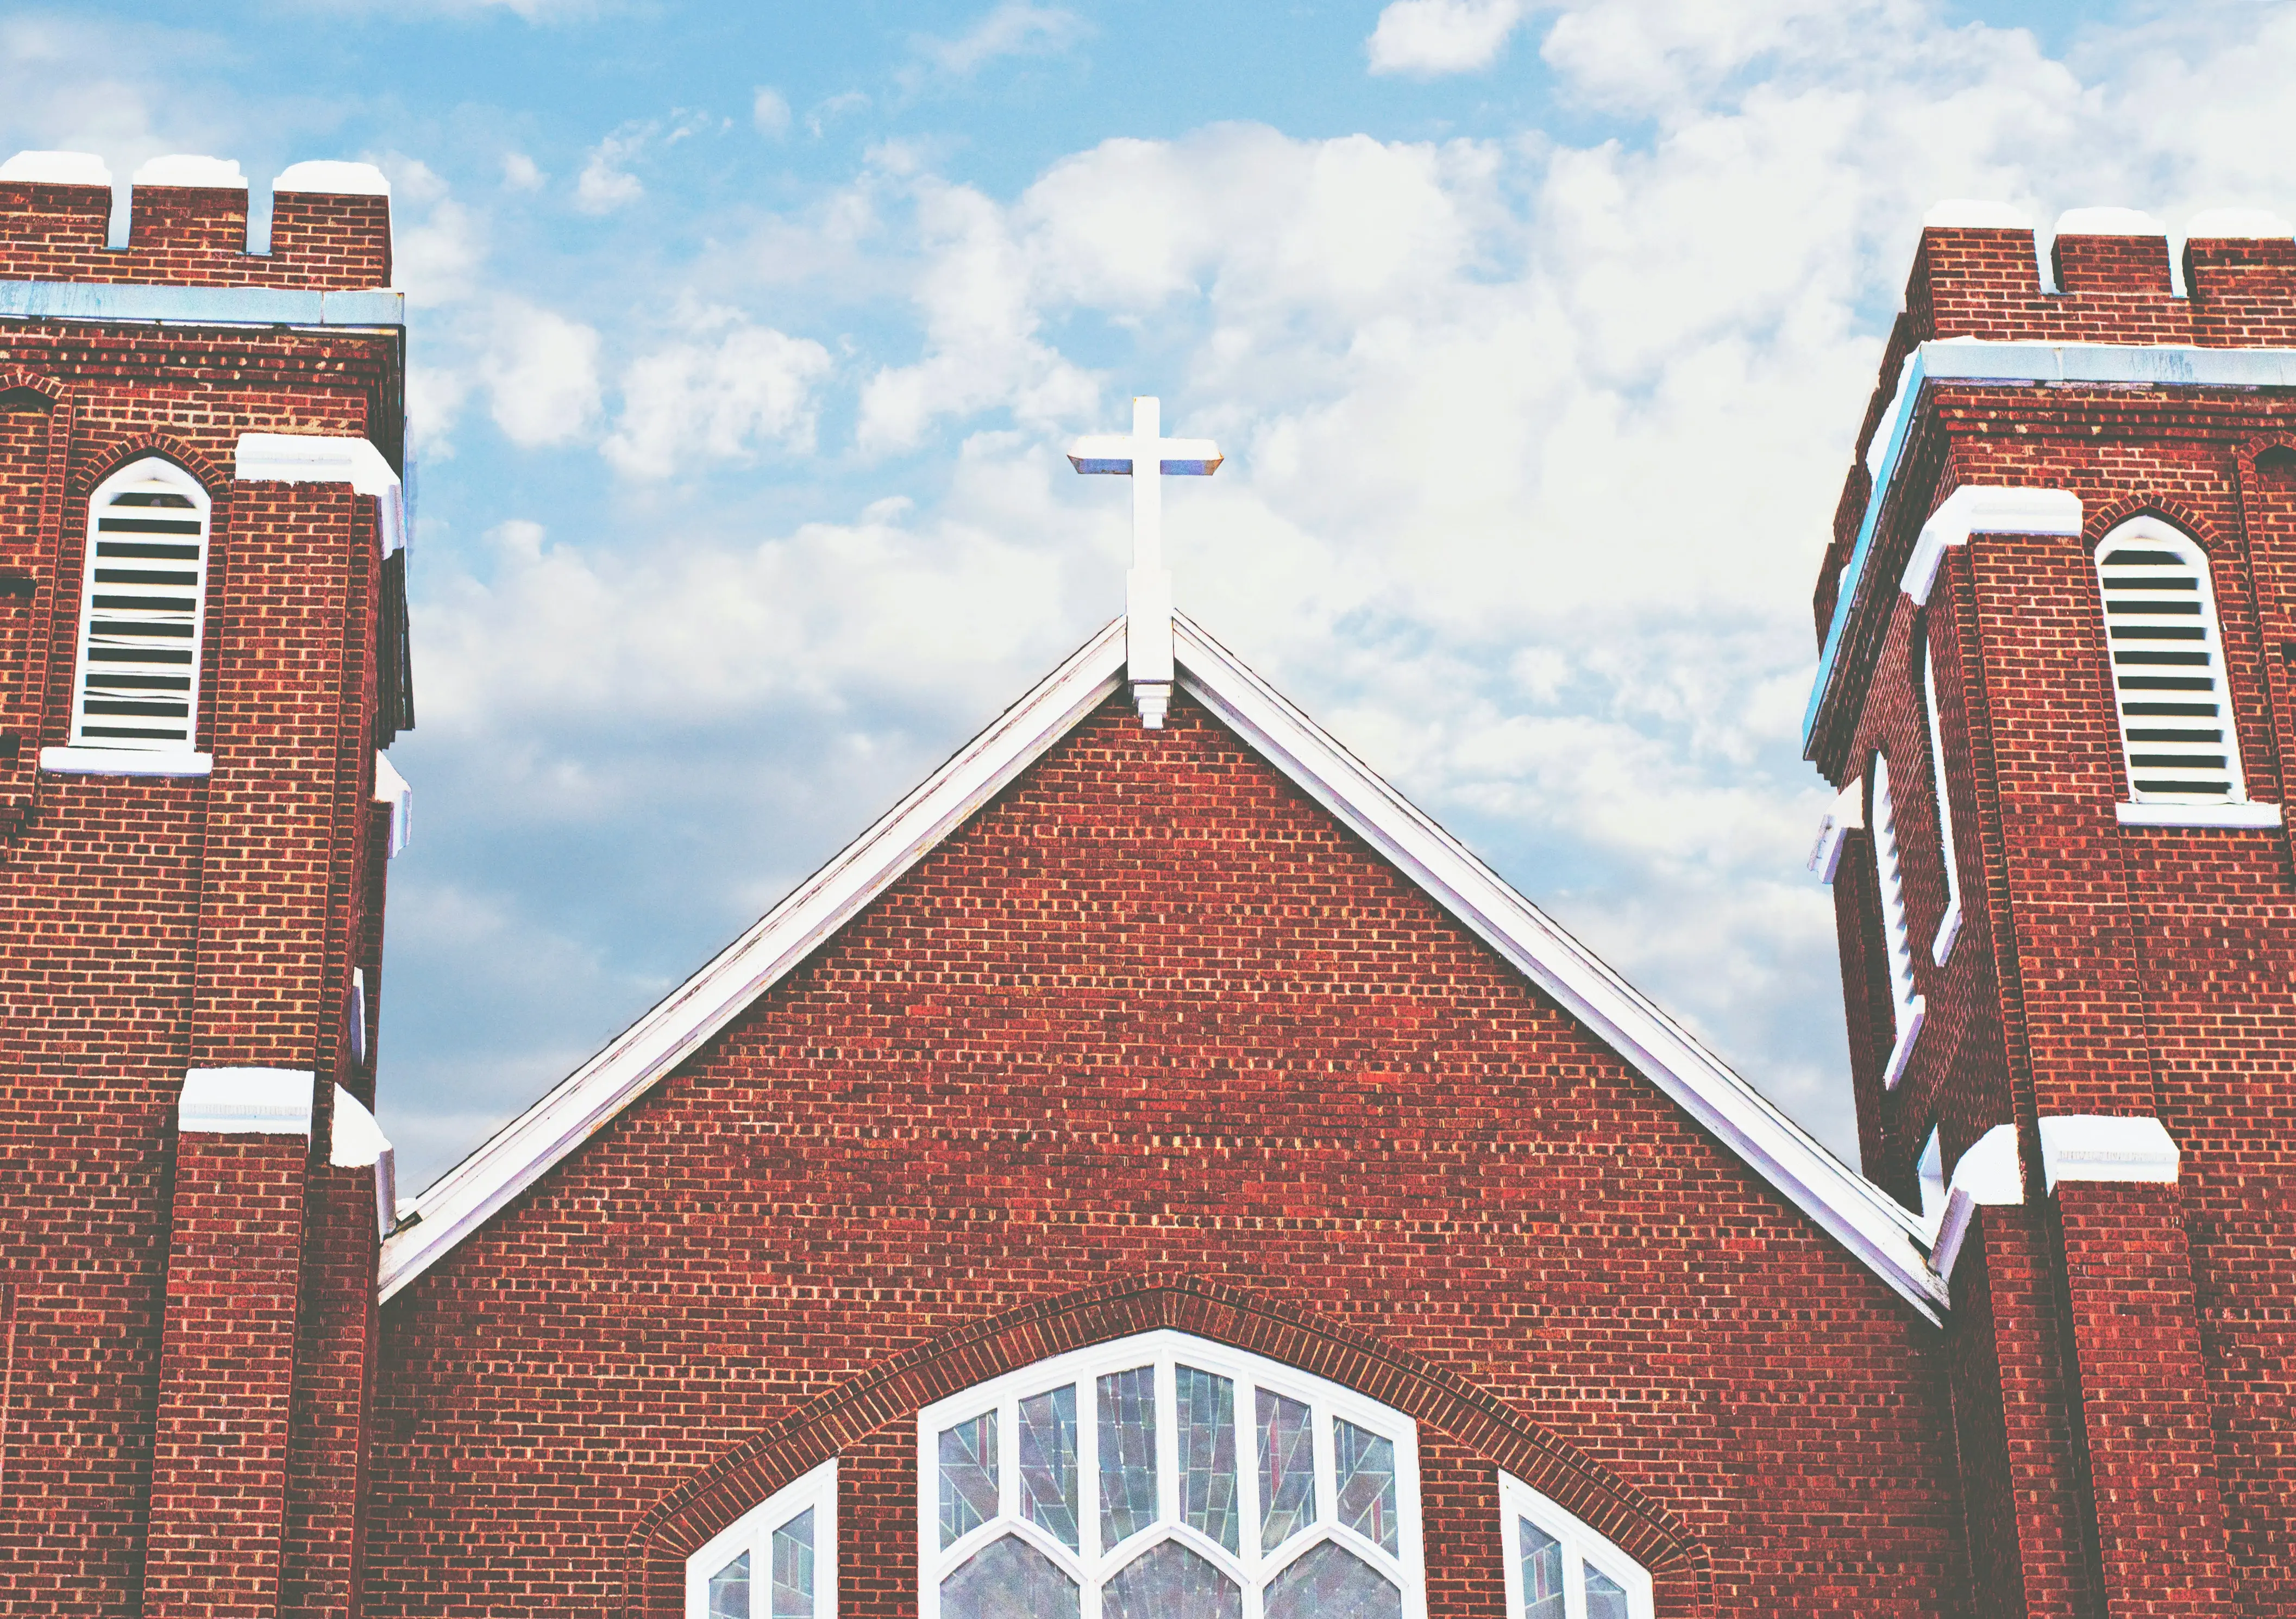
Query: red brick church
{"x": 1155, "y": 1172}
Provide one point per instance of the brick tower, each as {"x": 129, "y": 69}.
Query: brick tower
{"x": 2058, "y": 622}
{"x": 202, "y": 646}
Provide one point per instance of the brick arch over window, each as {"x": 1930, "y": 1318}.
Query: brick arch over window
{"x": 2102, "y": 519}
{"x": 98, "y": 461}
{"x": 898, "y": 1387}
{"x": 15, "y": 377}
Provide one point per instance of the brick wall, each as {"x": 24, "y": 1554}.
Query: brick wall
{"x": 1153, "y": 1028}
{"x": 192, "y": 235}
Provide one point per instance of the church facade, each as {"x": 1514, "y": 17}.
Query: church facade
{"x": 1155, "y": 1170}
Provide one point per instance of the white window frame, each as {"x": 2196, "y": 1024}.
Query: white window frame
{"x": 1092, "y": 1568}
{"x": 2152, "y": 531}
{"x": 144, "y": 469}
{"x": 753, "y": 1533}
{"x": 1905, "y": 1004}
{"x": 1581, "y": 1545}
{"x": 1948, "y": 929}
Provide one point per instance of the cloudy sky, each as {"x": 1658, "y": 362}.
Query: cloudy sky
{"x": 745, "y": 338}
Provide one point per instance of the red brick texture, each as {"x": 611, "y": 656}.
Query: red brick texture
{"x": 1153, "y": 1039}
{"x": 192, "y": 235}
{"x": 148, "y": 925}
{"x": 2131, "y": 972}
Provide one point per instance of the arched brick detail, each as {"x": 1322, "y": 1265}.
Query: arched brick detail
{"x": 104, "y": 458}
{"x": 2103, "y": 520}
{"x": 12, "y": 377}
{"x": 1434, "y": 1397}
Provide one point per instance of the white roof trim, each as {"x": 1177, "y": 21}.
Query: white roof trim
{"x": 326, "y": 458}
{"x": 1888, "y": 1237}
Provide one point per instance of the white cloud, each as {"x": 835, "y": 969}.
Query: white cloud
{"x": 603, "y": 187}
{"x": 1016, "y": 28}
{"x": 1426, "y": 37}
{"x": 769, "y": 112}
{"x": 520, "y": 173}
{"x": 436, "y": 244}
{"x": 723, "y": 394}
{"x": 541, "y": 372}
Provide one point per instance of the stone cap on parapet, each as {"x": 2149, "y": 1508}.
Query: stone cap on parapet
{"x": 187, "y": 224}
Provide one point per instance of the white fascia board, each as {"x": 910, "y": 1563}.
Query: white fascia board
{"x": 326, "y": 458}
{"x": 2019, "y": 365}
{"x": 1888, "y": 1237}
{"x": 475, "y": 1190}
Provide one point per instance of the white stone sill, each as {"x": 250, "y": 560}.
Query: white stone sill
{"x": 2197, "y": 815}
{"x": 1902, "y": 1052}
{"x": 123, "y": 761}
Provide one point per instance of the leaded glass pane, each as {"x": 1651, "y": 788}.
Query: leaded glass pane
{"x": 1127, "y": 1454}
{"x": 1606, "y": 1598}
{"x": 1542, "y": 1572}
{"x": 1287, "y": 1469}
{"x": 1328, "y": 1582}
{"x": 1366, "y": 1464}
{"x": 729, "y": 1589}
{"x": 1048, "y": 1463}
{"x": 968, "y": 1477}
{"x": 1008, "y": 1579}
{"x": 1169, "y": 1581}
{"x": 1207, "y": 1454}
{"x": 793, "y": 1568}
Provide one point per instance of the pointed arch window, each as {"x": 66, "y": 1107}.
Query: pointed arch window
{"x": 776, "y": 1561}
{"x": 1164, "y": 1476}
{"x": 1559, "y": 1568}
{"x": 1905, "y": 1006}
{"x": 2169, "y": 686}
{"x": 142, "y": 607}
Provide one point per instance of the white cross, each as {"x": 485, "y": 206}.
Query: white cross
{"x": 1148, "y": 588}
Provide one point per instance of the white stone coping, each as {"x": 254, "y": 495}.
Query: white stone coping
{"x": 1882, "y": 1235}
{"x": 326, "y": 458}
{"x": 1847, "y": 814}
{"x": 358, "y": 1142}
{"x": 2096, "y": 1146}
{"x": 333, "y": 179}
{"x": 1970, "y": 213}
{"x": 1979, "y": 508}
{"x": 57, "y": 168}
{"x": 2249, "y": 815}
{"x": 185, "y": 169}
{"x": 1990, "y": 1174}
{"x": 2237, "y": 223}
{"x": 245, "y": 1102}
{"x": 390, "y": 788}
{"x": 1901, "y": 1049}
{"x": 1949, "y": 931}
{"x": 124, "y": 761}
{"x": 2109, "y": 222}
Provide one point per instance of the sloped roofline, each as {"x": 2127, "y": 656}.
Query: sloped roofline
{"x": 1869, "y": 1222}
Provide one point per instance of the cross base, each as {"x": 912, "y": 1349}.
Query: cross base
{"x": 1154, "y": 699}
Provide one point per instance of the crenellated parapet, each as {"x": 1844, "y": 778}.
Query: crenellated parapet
{"x": 187, "y": 224}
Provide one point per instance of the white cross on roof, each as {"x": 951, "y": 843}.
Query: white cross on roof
{"x": 1148, "y": 588}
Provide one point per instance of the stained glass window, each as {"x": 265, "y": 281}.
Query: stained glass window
{"x": 1287, "y": 1469}
{"x": 968, "y": 1477}
{"x": 1560, "y": 1568}
{"x": 778, "y": 1560}
{"x": 1127, "y": 1454}
{"x": 1048, "y": 1463}
{"x": 1162, "y": 1476}
{"x": 1207, "y": 1408}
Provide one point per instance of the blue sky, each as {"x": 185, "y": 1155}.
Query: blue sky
{"x": 745, "y": 338}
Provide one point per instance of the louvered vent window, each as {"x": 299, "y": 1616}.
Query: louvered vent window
{"x": 1949, "y": 924}
{"x": 1888, "y": 861}
{"x": 2167, "y": 667}
{"x": 140, "y": 609}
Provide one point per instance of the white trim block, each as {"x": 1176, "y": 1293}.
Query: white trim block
{"x": 333, "y": 179}
{"x": 57, "y": 168}
{"x": 1847, "y": 814}
{"x": 390, "y": 788}
{"x": 2237, "y": 223}
{"x": 2250, "y": 815}
{"x": 1969, "y": 213}
{"x": 2109, "y": 222}
{"x": 1990, "y": 1174}
{"x": 245, "y": 1102}
{"x": 2094, "y": 1146}
{"x": 123, "y": 761}
{"x": 1985, "y": 509}
{"x": 326, "y": 458}
{"x": 358, "y": 1141}
{"x": 183, "y": 169}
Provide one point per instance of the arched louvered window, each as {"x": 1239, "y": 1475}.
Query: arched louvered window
{"x": 1888, "y": 861}
{"x": 1163, "y": 1476}
{"x": 140, "y": 610}
{"x": 1559, "y": 1568}
{"x": 2169, "y": 681}
{"x": 778, "y": 1560}
{"x": 1949, "y": 925}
